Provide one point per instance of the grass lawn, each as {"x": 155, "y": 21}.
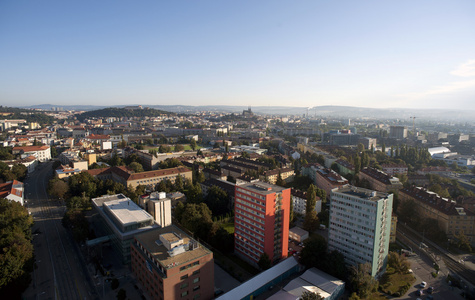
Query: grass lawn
{"x": 393, "y": 283}
{"x": 229, "y": 227}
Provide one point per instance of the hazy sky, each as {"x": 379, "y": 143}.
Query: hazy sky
{"x": 401, "y": 53}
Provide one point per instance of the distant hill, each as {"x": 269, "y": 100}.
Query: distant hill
{"x": 318, "y": 111}
{"x": 122, "y": 112}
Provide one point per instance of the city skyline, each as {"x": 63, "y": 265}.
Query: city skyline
{"x": 309, "y": 53}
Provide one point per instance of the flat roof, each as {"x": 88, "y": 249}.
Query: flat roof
{"x": 123, "y": 209}
{"x": 259, "y": 280}
{"x": 127, "y": 212}
{"x": 149, "y": 241}
{"x": 261, "y": 187}
{"x": 361, "y": 193}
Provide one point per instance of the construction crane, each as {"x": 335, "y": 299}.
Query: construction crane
{"x": 413, "y": 125}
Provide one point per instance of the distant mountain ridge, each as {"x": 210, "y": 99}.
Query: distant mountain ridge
{"x": 324, "y": 111}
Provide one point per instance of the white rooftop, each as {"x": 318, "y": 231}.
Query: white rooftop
{"x": 298, "y": 286}
{"x": 258, "y": 281}
{"x": 126, "y": 211}
{"x": 437, "y": 150}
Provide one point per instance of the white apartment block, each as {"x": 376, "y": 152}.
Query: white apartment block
{"x": 360, "y": 226}
{"x": 42, "y": 153}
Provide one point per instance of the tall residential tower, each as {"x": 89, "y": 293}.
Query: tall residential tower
{"x": 262, "y": 212}
{"x": 360, "y": 226}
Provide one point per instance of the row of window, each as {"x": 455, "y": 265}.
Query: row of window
{"x": 252, "y": 194}
{"x": 244, "y": 208}
{"x": 249, "y": 203}
{"x": 239, "y": 239}
{"x": 251, "y": 254}
{"x": 248, "y": 221}
{"x": 250, "y": 238}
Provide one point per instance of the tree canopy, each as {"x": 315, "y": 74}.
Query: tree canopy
{"x": 16, "y": 250}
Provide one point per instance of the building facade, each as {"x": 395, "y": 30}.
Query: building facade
{"x": 169, "y": 265}
{"x": 261, "y": 218}
{"x": 453, "y": 219}
{"x": 122, "y": 219}
{"x": 42, "y": 153}
{"x": 397, "y": 132}
{"x": 360, "y": 226}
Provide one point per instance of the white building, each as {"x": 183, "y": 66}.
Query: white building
{"x": 299, "y": 201}
{"x": 42, "y": 153}
{"x": 12, "y": 190}
{"x": 360, "y": 226}
{"x": 159, "y": 206}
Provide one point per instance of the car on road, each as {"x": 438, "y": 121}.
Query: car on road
{"x": 423, "y": 284}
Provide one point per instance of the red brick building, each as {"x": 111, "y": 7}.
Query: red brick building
{"x": 169, "y": 265}
{"x": 261, "y": 218}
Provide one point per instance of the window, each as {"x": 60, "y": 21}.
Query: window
{"x": 184, "y": 285}
{"x": 197, "y": 279}
{"x": 196, "y": 288}
{"x": 184, "y": 277}
{"x": 184, "y": 293}
{"x": 196, "y": 272}
{"x": 196, "y": 296}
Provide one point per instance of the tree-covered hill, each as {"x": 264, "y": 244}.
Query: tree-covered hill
{"x": 122, "y": 112}
{"x": 26, "y": 114}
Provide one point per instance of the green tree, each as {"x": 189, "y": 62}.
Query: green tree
{"x": 357, "y": 164}
{"x": 137, "y": 167}
{"x": 75, "y": 220}
{"x": 334, "y": 264}
{"x": 83, "y": 184}
{"x": 179, "y": 183}
{"x": 193, "y": 144}
{"x": 16, "y": 250}
{"x": 179, "y": 148}
{"x": 310, "y": 222}
{"x": 361, "y": 280}
{"x": 20, "y": 171}
{"x": 463, "y": 242}
{"x": 314, "y": 252}
{"x": 398, "y": 262}
{"x": 58, "y": 188}
{"x": 307, "y": 295}
{"x": 115, "y": 160}
{"x": 311, "y": 199}
{"x": 194, "y": 194}
{"x": 217, "y": 200}
{"x": 264, "y": 261}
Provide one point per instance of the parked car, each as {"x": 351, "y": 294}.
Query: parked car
{"x": 430, "y": 290}
{"x": 423, "y": 284}
{"x": 419, "y": 292}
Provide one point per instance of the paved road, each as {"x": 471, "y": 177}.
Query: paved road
{"x": 60, "y": 272}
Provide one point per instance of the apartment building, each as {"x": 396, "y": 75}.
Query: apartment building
{"x": 271, "y": 176}
{"x": 149, "y": 178}
{"x": 379, "y": 180}
{"x": 452, "y": 218}
{"x": 393, "y": 169}
{"x": 299, "y": 201}
{"x": 122, "y": 219}
{"x": 397, "y": 132}
{"x": 324, "y": 178}
{"x": 168, "y": 264}
{"x": 42, "y": 153}
{"x": 360, "y": 226}
{"x": 261, "y": 218}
